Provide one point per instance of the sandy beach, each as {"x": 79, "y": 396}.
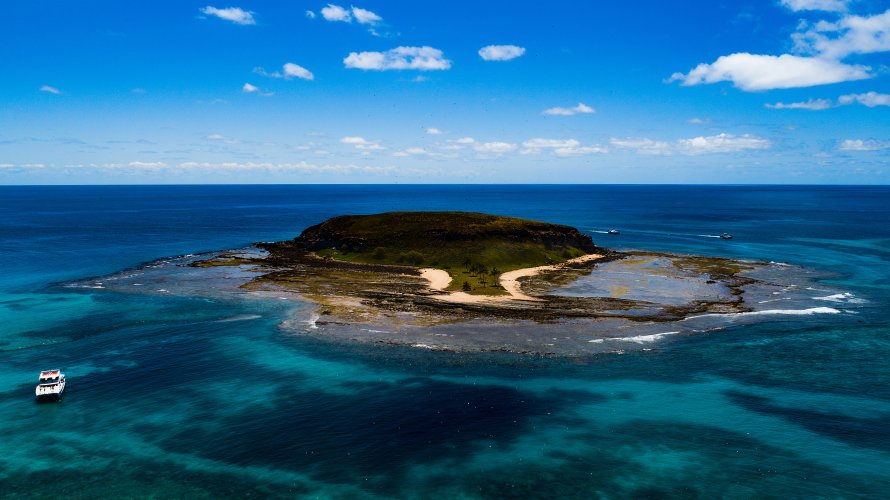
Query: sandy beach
{"x": 440, "y": 280}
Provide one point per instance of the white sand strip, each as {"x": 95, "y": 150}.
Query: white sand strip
{"x": 440, "y": 279}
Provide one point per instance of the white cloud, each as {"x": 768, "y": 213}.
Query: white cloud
{"x": 216, "y": 137}
{"x": 295, "y": 70}
{"x": 753, "y": 72}
{"x": 495, "y": 147}
{"x": 534, "y": 146}
{"x": 420, "y": 58}
{"x": 435, "y": 131}
{"x": 302, "y": 166}
{"x": 361, "y": 143}
{"x": 870, "y": 99}
{"x": 310, "y": 14}
{"x": 288, "y": 71}
{"x": 247, "y": 88}
{"x": 826, "y": 5}
{"x": 500, "y": 52}
{"x": 466, "y": 140}
{"x": 721, "y": 143}
{"x": 863, "y": 145}
{"x": 365, "y": 16}
{"x": 559, "y": 147}
{"x": 580, "y": 108}
{"x": 696, "y": 121}
{"x": 849, "y": 35}
{"x": 336, "y": 13}
{"x": 149, "y": 165}
{"x": 233, "y": 14}
{"x": 50, "y": 90}
{"x": 812, "y": 104}
{"x": 643, "y": 146}
{"x": 414, "y": 152}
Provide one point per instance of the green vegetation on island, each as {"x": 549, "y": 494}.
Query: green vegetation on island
{"x": 474, "y": 248}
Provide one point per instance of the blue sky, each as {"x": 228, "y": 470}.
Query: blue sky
{"x": 783, "y": 91}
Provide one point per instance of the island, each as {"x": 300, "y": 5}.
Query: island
{"x": 472, "y": 281}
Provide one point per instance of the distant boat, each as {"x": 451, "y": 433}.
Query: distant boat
{"x": 50, "y": 385}
{"x": 614, "y": 231}
{"x": 726, "y": 236}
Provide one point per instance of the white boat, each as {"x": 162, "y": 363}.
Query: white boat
{"x": 726, "y": 236}
{"x": 613, "y": 231}
{"x": 50, "y": 385}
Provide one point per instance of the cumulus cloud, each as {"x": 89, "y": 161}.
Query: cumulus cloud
{"x": 826, "y": 5}
{"x": 812, "y": 104}
{"x": 434, "y": 131}
{"x": 288, "y": 71}
{"x": 420, "y": 58}
{"x": 361, "y": 143}
{"x": 863, "y": 145}
{"x": 753, "y": 72}
{"x": 336, "y": 13}
{"x": 580, "y": 108}
{"x": 870, "y": 99}
{"x": 849, "y": 35}
{"x": 50, "y": 90}
{"x": 721, "y": 143}
{"x": 232, "y": 14}
{"x": 501, "y": 52}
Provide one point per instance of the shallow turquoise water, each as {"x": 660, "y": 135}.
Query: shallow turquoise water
{"x": 206, "y": 396}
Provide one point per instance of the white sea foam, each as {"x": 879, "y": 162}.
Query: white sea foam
{"x": 787, "y": 312}
{"x": 311, "y": 321}
{"x": 422, "y": 346}
{"x": 844, "y": 298}
{"x": 639, "y": 339}
{"x": 240, "y": 317}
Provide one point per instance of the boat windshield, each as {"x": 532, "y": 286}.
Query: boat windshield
{"x": 51, "y": 381}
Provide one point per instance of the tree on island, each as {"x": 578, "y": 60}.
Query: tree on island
{"x": 466, "y": 286}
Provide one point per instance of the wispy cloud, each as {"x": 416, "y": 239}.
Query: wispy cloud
{"x": 580, "y": 108}
{"x": 559, "y": 147}
{"x": 364, "y": 16}
{"x": 361, "y": 143}
{"x": 435, "y": 131}
{"x": 753, "y": 72}
{"x": 812, "y": 105}
{"x": 310, "y": 14}
{"x": 869, "y": 99}
{"x": 248, "y": 88}
{"x": 50, "y": 90}
{"x": 863, "y": 145}
{"x": 721, "y": 143}
{"x": 288, "y": 71}
{"x": 501, "y": 52}
{"x": 400, "y": 58}
{"x": 496, "y": 147}
{"x": 232, "y": 14}
{"x": 826, "y": 5}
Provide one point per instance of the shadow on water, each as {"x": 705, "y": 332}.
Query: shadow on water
{"x": 863, "y": 432}
{"x": 380, "y": 431}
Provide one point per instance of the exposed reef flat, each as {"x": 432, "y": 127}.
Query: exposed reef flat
{"x": 426, "y": 280}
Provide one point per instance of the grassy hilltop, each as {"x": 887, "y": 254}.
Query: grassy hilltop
{"x": 473, "y": 247}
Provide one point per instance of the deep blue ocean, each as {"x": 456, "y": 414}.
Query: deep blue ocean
{"x": 200, "y": 397}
